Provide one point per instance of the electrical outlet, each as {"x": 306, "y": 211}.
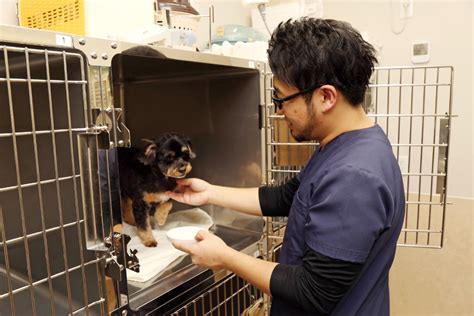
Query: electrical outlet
{"x": 406, "y": 9}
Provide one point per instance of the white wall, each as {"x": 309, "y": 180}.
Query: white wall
{"x": 8, "y": 12}
{"x": 225, "y": 12}
{"x": 446, "y": 24}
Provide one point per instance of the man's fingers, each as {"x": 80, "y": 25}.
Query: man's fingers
{"x": 184, "y": 182}
{"x": 201, "y": 235}
{"x": 175, "y": 196}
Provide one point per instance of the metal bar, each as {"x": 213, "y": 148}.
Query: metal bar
{"x": 7, "y": 263}
{"x": 276, "y": 116}
{"x": 422, "y": 231}
{"x": 408, "y": 115}
{"x": 403, "y": 174}
{"x": 285, "y": 171}
{"x": 421, "y": 156}
{"x": 111, "y": 224}
{"x": 388, "y": 85}
{"x": 73, "y": 166}
{"x": 13, "y": 241}
{"x": 411, "y": 174}
{"x": 203, "y": 306}
{"x": 407, "y": 67}
{"x": 435, "y": 123}
{"x": 376, "y": 98}
{"x": 52, "y": 81}
{"x": 409, "y": 150}
{"x": 101, "y": 285}
{"x": 419, "y": 145}
{"x": 18, "y": 179}
{"x": 54, "y": 276}
{"x": 103, "y": 98}
{"x": 86, "y": 308}
{"x": 418, "y": 246}
{"x": 57, "y": 131}
{"x": 38, "y": 178}
{"x": 399, "y": 111}
{"x": 271, "y": 158}
{"x": 56, "y": 173}
{"x": 387, "y": 120}
{"x": 31, "y": 184}
{"x": 447, "y": 155}
{"x": 293, "y": 144}
{"x": 424, "y": 203}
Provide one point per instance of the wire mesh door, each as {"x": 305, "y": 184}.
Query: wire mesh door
{"x": 414, "y": 107}
{"x": 44, "y": 266}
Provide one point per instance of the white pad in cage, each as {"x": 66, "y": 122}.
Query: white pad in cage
{"x": 153, "y": 260}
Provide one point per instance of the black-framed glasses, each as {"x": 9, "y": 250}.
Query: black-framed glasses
{"x": 279, "y": 102}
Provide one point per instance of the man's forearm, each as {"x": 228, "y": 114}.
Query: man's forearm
{"x": 253, "y": 270}
{"x": 242, "y": 200}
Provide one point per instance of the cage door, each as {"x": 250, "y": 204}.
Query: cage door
{"x": 44, "y": 266}
{"x": 414, "y": 107}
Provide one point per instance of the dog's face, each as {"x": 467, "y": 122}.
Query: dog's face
{"x": 171, "y": 155}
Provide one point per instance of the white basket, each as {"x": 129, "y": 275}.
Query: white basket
{"x": 179, "y": 20}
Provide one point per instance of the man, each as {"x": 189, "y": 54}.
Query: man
{"x": 345, "y": 208}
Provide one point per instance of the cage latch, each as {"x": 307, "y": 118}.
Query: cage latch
{"x": 117, "y": 247}
{"x": 112, "y": 119}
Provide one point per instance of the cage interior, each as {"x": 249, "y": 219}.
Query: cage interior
{"x": 217, "y": 108}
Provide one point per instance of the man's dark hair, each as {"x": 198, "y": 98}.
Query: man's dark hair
{"x": 306, "y": 52}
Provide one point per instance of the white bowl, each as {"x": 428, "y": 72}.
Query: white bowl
{"x": 184, "y": 234}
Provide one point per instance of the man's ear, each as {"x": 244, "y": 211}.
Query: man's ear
{"x": 329, "y": 96}
{"x": 149, "y": 154}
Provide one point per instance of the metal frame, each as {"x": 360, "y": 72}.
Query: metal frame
{"x": 414, "y": 107}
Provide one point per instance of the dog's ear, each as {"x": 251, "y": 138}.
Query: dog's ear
{"x": 149, "y": 154}
{"x": 192, "y": 155}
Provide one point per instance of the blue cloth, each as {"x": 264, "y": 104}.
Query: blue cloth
{"x": 349, "y": 206}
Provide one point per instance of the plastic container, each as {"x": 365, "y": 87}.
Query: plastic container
{"x": 233, "y": 33}
{"x": 104, "y": 18}
{"x": 184, "y": 234}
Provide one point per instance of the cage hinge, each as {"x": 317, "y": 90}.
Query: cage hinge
{"x": 117, "y": 250}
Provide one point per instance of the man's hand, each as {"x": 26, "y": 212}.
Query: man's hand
{"x": 210, "y": 251}
{"x": 191, "y": 191}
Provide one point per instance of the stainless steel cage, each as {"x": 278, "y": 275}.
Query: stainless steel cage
{"x": 65, "y": 103}
{"x": 414, "y": 107}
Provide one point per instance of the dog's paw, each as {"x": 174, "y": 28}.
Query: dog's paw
{"x": 147, "y": 238}
{"x": 150, "y": 243}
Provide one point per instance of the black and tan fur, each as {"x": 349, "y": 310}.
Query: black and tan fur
{"x": 145, "y": 174}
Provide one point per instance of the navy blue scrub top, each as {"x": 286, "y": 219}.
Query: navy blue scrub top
{"x": 349, "y": 206}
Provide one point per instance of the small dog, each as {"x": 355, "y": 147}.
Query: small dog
{"x": 145, "y": 176}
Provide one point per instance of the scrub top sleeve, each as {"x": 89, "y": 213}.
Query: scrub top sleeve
{"x": 348, "y": 210}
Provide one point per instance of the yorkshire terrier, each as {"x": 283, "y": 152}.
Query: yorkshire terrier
{"x": 146, "y": 174}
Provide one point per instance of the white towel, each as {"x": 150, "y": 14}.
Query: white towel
{"x": 154, "y": 259}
